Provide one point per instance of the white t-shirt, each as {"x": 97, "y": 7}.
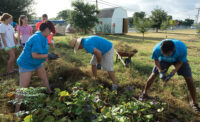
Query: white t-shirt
{"x": 8, "y": 30}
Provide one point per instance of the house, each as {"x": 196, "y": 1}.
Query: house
{"x": 112, "y": 21}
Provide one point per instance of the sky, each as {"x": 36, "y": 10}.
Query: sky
{"x": 179, "y": 9}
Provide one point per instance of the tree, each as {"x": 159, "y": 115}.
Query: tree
{"x": 172, "y": 23}
{"x": 130, "y": 21}
{"x": 142, "y": 25}
{"x": 164, "y": 26}
{"x": 137, "y": 15}
{"x": 84, "y": 16}
{"x": 64, "y": 15}
{"x": 157, "y": 18}
{"x": 17, "y": 8}
{"x": 188, "y": 22}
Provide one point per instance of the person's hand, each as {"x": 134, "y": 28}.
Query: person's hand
{"x": 7, "y": 48}
{"x": 169, "y": 76}
{"x": 162, "y": 75}
{"x": 98, "y": 66}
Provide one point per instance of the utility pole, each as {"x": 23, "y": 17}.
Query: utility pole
{"x": 197, "y": 17}
{"x": 96, "y": 4}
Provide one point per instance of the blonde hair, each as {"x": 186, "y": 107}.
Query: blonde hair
{"x": 20, "y": 19}
{"x": 5, "y": 16}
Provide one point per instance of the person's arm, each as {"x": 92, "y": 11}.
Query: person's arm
{"x": 177, "y": 67}
{"x": 3, "y": 39}
{"x": 15, "y": 39}
{"x": 31, "y": 30}
{"x": 98, "y": 54}
{"x": 39, "y": 56}
{"x": 18, "y": 36}
{"x": 157, "y": 64}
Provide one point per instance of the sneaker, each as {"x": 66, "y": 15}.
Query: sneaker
{"x": 143, "y": 96}
{"x": 195, "y": 107}
{"x": 114, "y": 87}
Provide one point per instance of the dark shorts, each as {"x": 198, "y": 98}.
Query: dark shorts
{"x": 185, "y": 69}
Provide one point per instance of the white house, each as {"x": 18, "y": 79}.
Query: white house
{"x": 112, "y": 21}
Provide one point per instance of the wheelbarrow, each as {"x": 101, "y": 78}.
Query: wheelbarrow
{"x": 125, "y": 57}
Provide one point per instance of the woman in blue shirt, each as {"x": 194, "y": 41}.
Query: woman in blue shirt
{"x": 32, "y": 57}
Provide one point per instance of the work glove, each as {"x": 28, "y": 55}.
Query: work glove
{"x": 98, "y": 66}
{"x": 169, "y": 77}
{"x": 162, "y": 76}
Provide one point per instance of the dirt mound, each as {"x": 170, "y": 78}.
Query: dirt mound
{"x": 125, "y": 47}
{"x": 60, "y": 72}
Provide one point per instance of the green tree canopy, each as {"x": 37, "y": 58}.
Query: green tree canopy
{"x": 157, "y": 18}
{"x": 64, "y": 15}
{"x": 16, "y": 8}
{"x": 84, "y": 16}
{"x": 137, "y": 15}
{"x": 142, "y": 25}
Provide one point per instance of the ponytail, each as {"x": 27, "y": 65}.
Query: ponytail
{"x": 5, "y": 16}
{"x": 20, "y": 19}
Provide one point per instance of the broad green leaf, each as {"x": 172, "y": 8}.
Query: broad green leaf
{"x": 28, "y": 118}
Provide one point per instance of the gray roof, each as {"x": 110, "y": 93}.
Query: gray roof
{"x": 106, "y": 13}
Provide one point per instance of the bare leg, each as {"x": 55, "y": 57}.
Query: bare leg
{"x": 11, "y": 60}
{"x": 112, "y": 76}
{"x": 151, "y": 79}
{"x": 24, "y": 83}
{"x": 43, "y": 76}
{"x": 94, "y": 71}
{"x": 191, "y": 88}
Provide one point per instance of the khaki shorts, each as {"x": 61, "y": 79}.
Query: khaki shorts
{"x": 106, "y": 62}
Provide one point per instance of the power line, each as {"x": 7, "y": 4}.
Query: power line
{"x": 111, "y": 4}
{"x": 107, "y": 4}
{"x": 116, "y": 5}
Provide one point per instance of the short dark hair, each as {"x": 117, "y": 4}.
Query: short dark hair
{"x": 167, "y": 46}
{"x": 45, "y": 25}
{"x": 45, "y": 15}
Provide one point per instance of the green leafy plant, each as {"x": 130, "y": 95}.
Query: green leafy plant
{"x": 94, "y": 105}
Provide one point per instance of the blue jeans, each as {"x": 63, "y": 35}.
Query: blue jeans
{"x": 21, "y": 70}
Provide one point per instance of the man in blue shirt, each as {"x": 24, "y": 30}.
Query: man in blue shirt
{"x": 102, "y": 51}
{"x": 171, "y": 52}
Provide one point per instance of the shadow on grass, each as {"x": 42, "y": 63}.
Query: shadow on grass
{"x": 143, "y": 69}
{"x": 182, "y": 34}
{"x": 67, "y": 53}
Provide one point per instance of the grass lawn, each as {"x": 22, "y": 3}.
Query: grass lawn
{"x": 73, "y": 68}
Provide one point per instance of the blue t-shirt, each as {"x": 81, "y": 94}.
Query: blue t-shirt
{"x": 179, "y": 54}
{"x": 13, "y": 24}
{"x": 37, "y": 43}
{"x": 91, "y": 42}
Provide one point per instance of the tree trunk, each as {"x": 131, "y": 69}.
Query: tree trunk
{"x": 143, "y": 36}
{"x": 156, "y": 30}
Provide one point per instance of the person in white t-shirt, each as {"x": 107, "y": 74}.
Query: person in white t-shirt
{"x": 8, "y": 39}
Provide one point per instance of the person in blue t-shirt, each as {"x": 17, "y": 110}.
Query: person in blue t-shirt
{"x": 32, "y": 57}
{"x": 102, "y": 51}
{"x": 171, "y": 52}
